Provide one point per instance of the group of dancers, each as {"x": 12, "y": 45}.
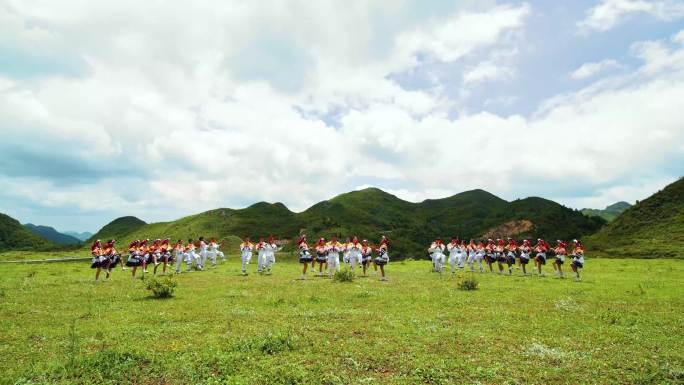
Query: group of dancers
{"x": 505, "y": 252}
{"x": 142, "y": 253}
{"x": 354, "y": 253}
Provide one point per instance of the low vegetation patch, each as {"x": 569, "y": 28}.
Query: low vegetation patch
{"x": 467, "y": 283}
{"x": 344, "y": 275}
{"x": 161, "y": 287}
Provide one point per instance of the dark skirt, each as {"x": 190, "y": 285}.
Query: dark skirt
{"x": 134, "y": 260}
{"x": 541, "y": 259}
{"x": 365, "y": 260}
{"x": 559, "y": 261}
{"x": 114, "y": 260}
{"x": 524, "y": 261}
{"x": 510, "y": 260}
{"x": 577, "y": 264}
{"x": 489, "y": 258}
{"x": 100, "y": 261}
{"x": 321, "y": 258}
{"x": 380, "y": 261}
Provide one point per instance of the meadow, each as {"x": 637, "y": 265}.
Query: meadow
{"x": 622, "y": 324}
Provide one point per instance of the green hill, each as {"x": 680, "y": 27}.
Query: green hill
{"x": 14, "y": 236}
{"x": 51, "y": 234}
{"x": 118, "y": 228}
{"x": 371, "y": 213}
{"x": 609, "y": 213}
{"x": 653, "y": 228}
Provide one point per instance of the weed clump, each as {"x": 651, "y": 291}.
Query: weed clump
{"x": 467, "y": 283}
{"x": 161, "y": 288}
{"x": 344, "y": 275}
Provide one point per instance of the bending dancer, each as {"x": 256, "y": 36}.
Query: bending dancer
{"x": 577, "y": 258}
{"x": 540, "y": 259}
{"x": 366, "y": 255}
{"x": 304, "y": 256}
{"x": 333, "y": 250}
{"x": 382, "y": 259}
{"x": 436, "y": 251}
{"x": 246, "y": 248}
{"x": 217, "y": 250}
{"x": 560, "y": 251}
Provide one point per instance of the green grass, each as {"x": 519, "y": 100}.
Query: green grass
{"x": 623, "y": 324}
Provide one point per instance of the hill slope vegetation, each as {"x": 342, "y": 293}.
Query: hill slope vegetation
{"x": 652, "y": 228}
{"x": 14, "y": 236}
{"x": 371, "y": 213}
{"x": 609, "y": 213}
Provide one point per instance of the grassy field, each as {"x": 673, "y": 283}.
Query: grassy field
{"x": 623, "y": 324}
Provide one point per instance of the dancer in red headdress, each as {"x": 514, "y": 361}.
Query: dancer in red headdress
{"x": 333, "y": 249}
{"x": 99, "y": 261}
{"x": 540, "y": 259}
{"x": 321, "y": 256}
{"x": 269, "y": 256}
{"x": 436, "y": 251}
{"x": 525, "y": 251}
{"x": 577, "y": 258}
{"x": 560, "y": 250}
{"x": 304, "y": 255}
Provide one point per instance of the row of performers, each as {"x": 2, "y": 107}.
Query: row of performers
{"x": 354, "y": 253}
{"x": 506, "y": 252}
{"x": 158, "y": 252}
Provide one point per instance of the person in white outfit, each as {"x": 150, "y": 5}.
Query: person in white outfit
{"x": 333, "y": 248}
{"x": 269, "y": 255}
{"x": 436, "y": 251}
{"x": 203, "y": 251}
{"x": 456, "y": 254}
{"x": 354, "y": 250}
{"x": 345, "y": 252}
{"x": 179, "y": 255}
{"x": 213, "y": 252}
{"x": 246, "y": 248}
{"x": 261, "y": 255}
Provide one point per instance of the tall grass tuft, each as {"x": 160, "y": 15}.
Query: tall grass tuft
{"x": 344, "y": 275}
{"x": 467, "y": 283}
{"x": 161, "y": 288}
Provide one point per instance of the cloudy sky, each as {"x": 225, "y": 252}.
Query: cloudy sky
{"x": 162, "y": 109}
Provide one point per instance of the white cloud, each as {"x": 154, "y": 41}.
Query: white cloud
{"x": 588, "y": 70}
{"x": 609, "y": 13}
{"x": 198, "y": 130}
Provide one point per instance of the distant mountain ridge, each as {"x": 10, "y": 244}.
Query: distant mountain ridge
{"x": 80, "y": 236}
{"x": 610, "y": 212}
{"x": 15, "y": 236}
{"x": 371, "y": 213}
{"x": 652, "y": 228}
{"x": 51, "y": 234}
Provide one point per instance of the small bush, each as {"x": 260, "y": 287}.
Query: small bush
{"x": 344, "y": 275}
{"x": 467, "y": 283}
{"x": 161, "y": 288}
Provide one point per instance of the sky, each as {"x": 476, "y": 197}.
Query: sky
{"x": 162, "y": 109}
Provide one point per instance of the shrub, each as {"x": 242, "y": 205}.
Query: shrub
{"x": 344, "y": 275}
{"x": 161, "y": 288}
{"x": 467, "y": 283}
